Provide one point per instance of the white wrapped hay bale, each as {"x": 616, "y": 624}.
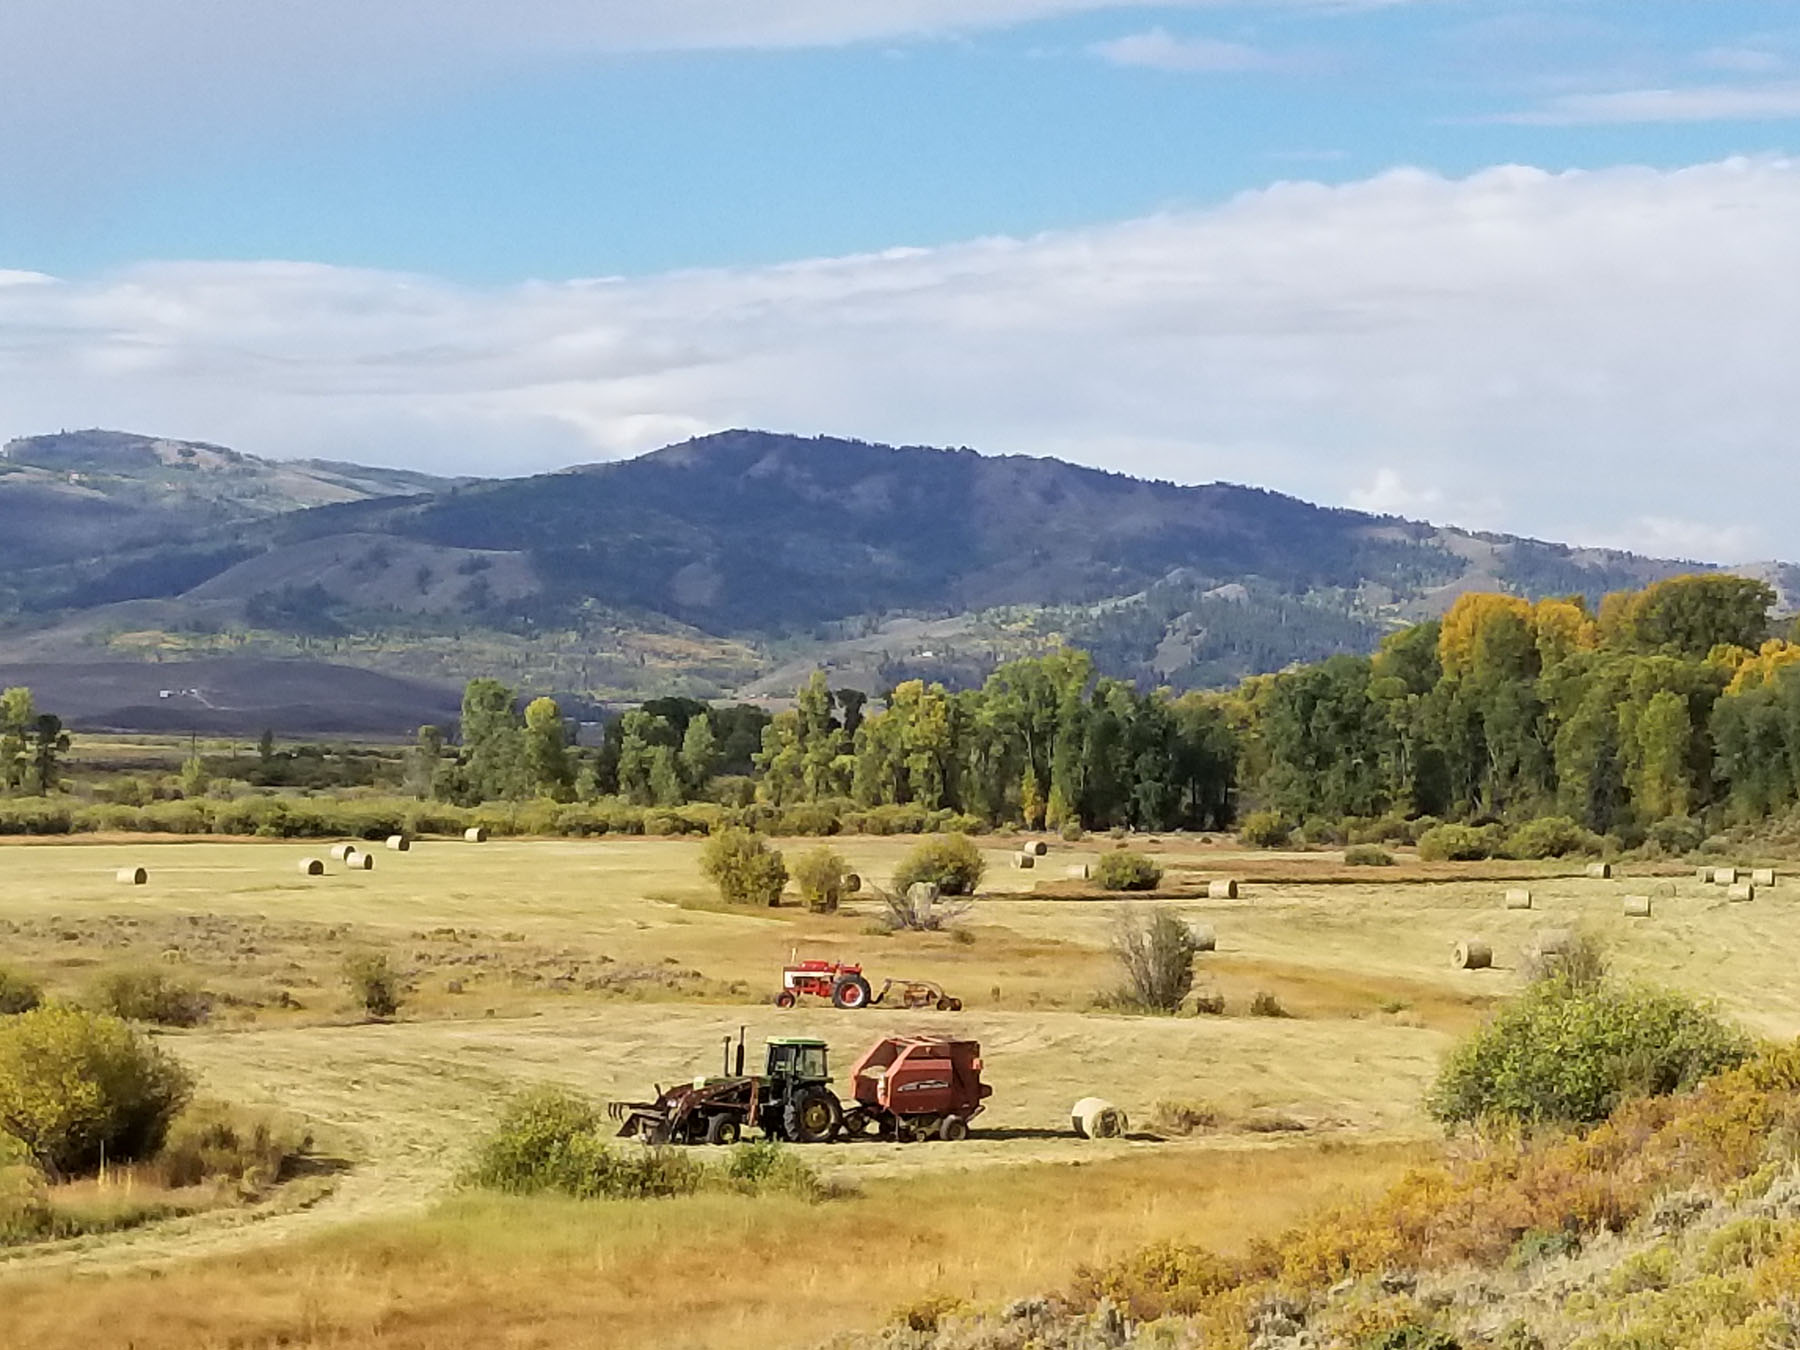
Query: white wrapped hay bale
{"x": 1205, "y": 940}
{"x": 1097, "y": 1118}
{"x": 1037, "y": 848}
{"x": 1078, "y": 872}
{"x": 1600, "y": 871}
{"x": 1023, "y": 861}
{"x": 133, "y": 876}
{"x": 358, "y": 861}
{"x": 398, "y": 843}
{"x": 475, "y": 834}
{"x": 312, "y": 867}
{"x": 1518, "y": 898}
{"x": 1637, "y": 906}
{"x": 1724, "y": 876}
{"x": 1762, "y": 876}
{"x": 1221, "y": 890}
{"x": 1742, "y": 891}
{"x": 341, "y": 851}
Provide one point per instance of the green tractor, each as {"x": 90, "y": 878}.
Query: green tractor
{"x": 791, "y": 1099}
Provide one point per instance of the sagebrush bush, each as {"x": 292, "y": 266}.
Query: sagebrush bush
{"x": 1156, "y": 955}
{"x": 1551, "y": 837}
{"x": 1458, "y": 843}
{"x": 374, "y": 983}
{"x": 215, "y": 1141}
{"x": 1567, "y": 1052}
{"x": 744, "y": 866}
{"x": 77, "y": 1085}
{"x": 1368, "y": 855}
{"x": 549, "y": 1139}
{"x": 1264, "y": 829}
{"x": 149, "y": 996}
{"x": 1127, "y": 872}
{"x": 819, "y": 876}
{"x": 17, "y": 993}
{"x": 1675, "y": 836}
{"x": 952, "y": 863}
{"x": 1265, "y": 1004}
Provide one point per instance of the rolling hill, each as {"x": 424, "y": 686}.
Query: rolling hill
{"x": 729, "y": 563}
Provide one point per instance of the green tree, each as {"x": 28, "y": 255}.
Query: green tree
{"x": 546, "y": 753}
{"x": 17, "y": 714}
{"x": 49, "y": 743}
{"x": 699, "y": 754}
{"x": 493, "y": 742}
{"x": 1663, "y": 732}
{"x": 422, "y": 761}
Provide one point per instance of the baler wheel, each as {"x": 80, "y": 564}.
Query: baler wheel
{"x": 785, "y": 999}
{"x": 956, "y": 1005}
{"x": 722, "y": 1128}
{"x": 953, "y": 1129}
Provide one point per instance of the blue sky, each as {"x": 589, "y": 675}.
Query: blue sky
{"x": 1513, "y": 265}
{"x": 562, "y": 159}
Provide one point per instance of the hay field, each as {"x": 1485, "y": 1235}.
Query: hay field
{"x": 606, "y": 965}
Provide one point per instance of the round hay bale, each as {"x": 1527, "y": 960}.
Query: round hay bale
{"x": 1742, "y": 891}
{"x": 399, "y": 843}
{"x": 1024, "y": 861}
{"x": 852, "y": 883}
{"x": 312, "y": 867}
{"x": 341, "y": 851}
{"x": 1600, "y": 871}
{"x": 922, "y": 895}
{"x": 1078, "y": 872}
{"x": 358, "y": 861}
{"x": 1763, "y": 876}
{"x": 1637, "y": 906}
{"x": 1554, "y": 941}
{"x": 1518, "y": 898}
{"x": 1097, "y": 1118}
{"x": 1037, "y": 848}
{"x": 1724, "y": 876}
{"x": 1205, "y": 940}
{"x": 132, "y": 876}
{"x": 475, "y": 834}
{"x": 1704, "y": 874}
{"x": 1472, "y": 955}
{"x": 1221, "y": 890}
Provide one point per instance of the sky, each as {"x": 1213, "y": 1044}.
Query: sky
{"x": 1531, "y": 267}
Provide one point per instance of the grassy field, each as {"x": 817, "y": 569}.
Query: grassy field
{"x": 605, "y": 965}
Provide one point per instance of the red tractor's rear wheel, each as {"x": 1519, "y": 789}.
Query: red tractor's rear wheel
{"x": 851, "y": 992}
{"x": 785, "y": 999}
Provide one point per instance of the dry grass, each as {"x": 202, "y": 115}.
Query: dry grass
{"x": 608, "y": 965}
{"x": 699, "y": 1272}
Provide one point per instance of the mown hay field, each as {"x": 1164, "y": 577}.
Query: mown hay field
{"x": 607, "y": 966}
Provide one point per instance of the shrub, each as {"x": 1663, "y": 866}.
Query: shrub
{"x": 1368, "y": 855}
{"x": 1457, "y": 843}
{"x": 919, "y": 909}
{"x": 77, "y": 1085}
{"x": 212, "y": 1141}
{"x": 1072, "y": 832}
{"x": 744, "y": 867}
{"x": 1264, "y": 829}
{"x": 819, "y": 875}
{"x": 951, "y": 863}
{"x": 768, "y": 1168}
{"x": 150, "y": 996}
{"x": 1127, "y": 872}
{"x": 550, "y": 1139}
{"x": 373, "y": 983}
{"x": 18, "y": 994}
{"x": 1567, "y": 1052}
{"x": 1676, "y": 835}
{"x": 1321, "y": 833}
{"x": 1266, "y": 1004}
{"x": 1551, "y": 837}
{"x": 1157, "y": 957}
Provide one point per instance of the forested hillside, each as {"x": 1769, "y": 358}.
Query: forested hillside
{"x": 707, "y": 567}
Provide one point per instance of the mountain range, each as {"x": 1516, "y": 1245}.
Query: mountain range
{"x": 726, "y": 565}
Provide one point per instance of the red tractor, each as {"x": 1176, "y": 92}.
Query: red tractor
{"x": 846, "y": 987}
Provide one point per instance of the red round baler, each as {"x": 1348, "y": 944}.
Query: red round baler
{"x": 908, "y": 1087}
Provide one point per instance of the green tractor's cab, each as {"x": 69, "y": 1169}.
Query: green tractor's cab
{"x": 797, "y": 1059}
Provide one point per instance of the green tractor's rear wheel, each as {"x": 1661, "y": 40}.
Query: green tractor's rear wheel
{"x": 722, "y": 1128}
{"x": 812, "y": 1117}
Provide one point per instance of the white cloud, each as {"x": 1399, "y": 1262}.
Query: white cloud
{"x": 1592, "y": 350}
{"x": 1389, "y": 495}
{"x": 1742, "y": 60}
{"x": 1701, "y": 103}
{"x": 1158, "y": 49}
